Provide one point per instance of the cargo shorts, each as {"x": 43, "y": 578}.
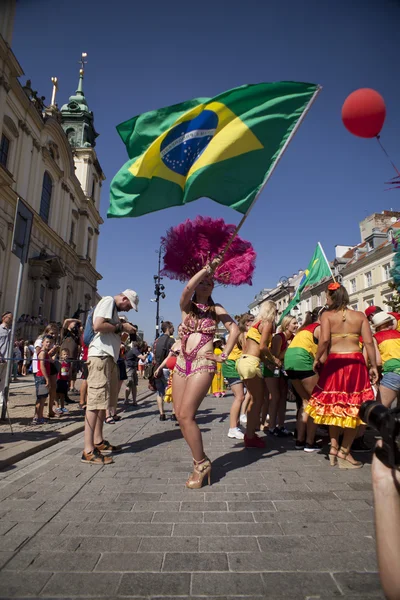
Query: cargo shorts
{"x": 102, "y": 390}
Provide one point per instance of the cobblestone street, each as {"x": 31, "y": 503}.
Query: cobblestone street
{"x": 276, "y": 524}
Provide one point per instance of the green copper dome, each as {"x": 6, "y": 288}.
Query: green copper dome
{"x": 77, "y": 119}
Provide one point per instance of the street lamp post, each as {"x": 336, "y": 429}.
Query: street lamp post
{"x": 158, "y": 292}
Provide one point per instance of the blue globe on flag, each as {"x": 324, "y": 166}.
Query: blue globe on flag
{"x": 183, "y": 145}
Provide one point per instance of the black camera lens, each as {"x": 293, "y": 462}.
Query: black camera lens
{"x": 373, "y": 413}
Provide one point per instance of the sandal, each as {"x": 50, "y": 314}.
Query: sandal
{"x": 117, "y": 418}
{"x": 333, "y": 459}
{"x": 345, "y": 463}
{"x": 96, "y": 458}
{"x": 110, "y": 421}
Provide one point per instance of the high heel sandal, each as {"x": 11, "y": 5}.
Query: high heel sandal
{"x": 201, "y": 470}
{"x": 333, "y": 458}
{"x": 345, "y": 463}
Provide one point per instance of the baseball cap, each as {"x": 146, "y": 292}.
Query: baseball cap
{"x": 380, "y": 318}
{"x": 371, "y": 310}
{"x": 133, "y": 298}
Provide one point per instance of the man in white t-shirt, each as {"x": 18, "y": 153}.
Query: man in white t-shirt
{"x": 102, "y": 382}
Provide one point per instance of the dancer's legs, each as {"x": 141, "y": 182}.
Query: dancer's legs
{"x": 274, "y": 390}
{"x": 283, "y": 391}
{"x": 188, "y": 395}
{"x": 307, "y": 385}
{"x": 255, "y": 386}
{"x": 238, "y": 393}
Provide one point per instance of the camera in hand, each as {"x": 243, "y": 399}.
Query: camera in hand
{"x": 387, "y": 422}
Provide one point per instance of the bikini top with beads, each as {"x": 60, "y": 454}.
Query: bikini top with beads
{"x": 203, "y": 325}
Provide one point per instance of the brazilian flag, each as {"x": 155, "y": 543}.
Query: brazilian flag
{"x": 221, "y": 148}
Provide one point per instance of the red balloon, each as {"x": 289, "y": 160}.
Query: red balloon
{"x": 364, "y": 112}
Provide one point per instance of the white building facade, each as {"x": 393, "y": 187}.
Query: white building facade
{"x": 57, "y": 173}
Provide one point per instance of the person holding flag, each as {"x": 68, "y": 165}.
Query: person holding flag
{"x": 317, "y": 270}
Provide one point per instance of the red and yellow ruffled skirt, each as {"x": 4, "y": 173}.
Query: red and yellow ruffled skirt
{"x": 341, "y": 389}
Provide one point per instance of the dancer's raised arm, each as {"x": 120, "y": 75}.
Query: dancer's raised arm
{"x": 190, "y": 287}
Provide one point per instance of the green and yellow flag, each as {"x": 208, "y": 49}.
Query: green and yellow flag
{"x": 317, "y": 269}
{"x": 222, "y": 148}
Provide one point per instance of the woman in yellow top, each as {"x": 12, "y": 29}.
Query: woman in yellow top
{"x": 249, "y": 368}
{"x": 233, "y": 378}
{"x": 343, "y": 384}
{"x": 217, "y": 388}
{"x": 387, "y": 346}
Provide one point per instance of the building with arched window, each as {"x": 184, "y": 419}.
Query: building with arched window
{"x": 48, "y": 158}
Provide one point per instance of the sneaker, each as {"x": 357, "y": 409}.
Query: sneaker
{"x": 236, "y": 433}
{"x": 58, "y": 411}
{"x": 311, "y": 447}
{"x": 299, "y": 445}
{"x": 106, "y": 448}
{"x": 283, "y": 432}
{"x": 96, "y": 458}
{"x": 64, "y": 411}
{"x": 254, "y": 442}
{"x": 360, "y": 446}
{"x": 243, "y": 419}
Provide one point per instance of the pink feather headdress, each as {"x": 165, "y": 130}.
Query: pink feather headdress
{"x": 193, "y": 244}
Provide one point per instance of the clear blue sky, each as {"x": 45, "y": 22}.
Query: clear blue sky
{"x": 145, "y": 55}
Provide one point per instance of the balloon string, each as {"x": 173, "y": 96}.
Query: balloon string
{"x": 378, "y": 137}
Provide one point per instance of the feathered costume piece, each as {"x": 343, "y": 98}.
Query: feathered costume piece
{"x": 395, "y": 270}
{"x": 193, "y": 244}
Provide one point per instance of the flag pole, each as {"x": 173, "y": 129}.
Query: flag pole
{"x": 281, "y": 152}
{"x": 324, "y": 255}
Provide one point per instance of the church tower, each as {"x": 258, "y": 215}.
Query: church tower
{"x": 78, "y": 123}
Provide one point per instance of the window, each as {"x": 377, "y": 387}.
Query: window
{"x": 353, "y": 286}
{"x": 370, "y": 302}
{"x": 93, "y": 188}
{"x": 4, "y": 149}
{"x": 390, "y": 235}
{"x": 368, "y": 279}
{"x": 46, "y": 197}
{"x": 72, "y": 234}
{"x": 89, "y": 243}
{"x": 386, "y": 271}
{"x": 354, "y": 306}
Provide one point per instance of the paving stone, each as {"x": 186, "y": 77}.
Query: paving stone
{"x": 168, "y": 544}
{"x": 309, "y": 584}
{"x": 364, "y": 516}
{"x": 156, "y": 506}
{"x": 144, "y": 529}
{"x": 81, "y": 584}
{"x": 288, "y": 544}
{"x": 229, "y": 544}
{"x": 177, "y": 517}
{"x": 250, "y": 506}
{"x": 20, "y": 561}
{"x": 5, "y": 557}
{"x": 229, "y": 584}
{"x": 5, "y": 526}
{"x": 131, "y": 562}
{"x": 11, "y": 541}
{"x": 177, "y": 584}
{"x": 308, "y": 528}
{"x": 139, "y": 497}
{"x": 226, "y": 517}
{"x": 361, "y": 584}
{"x": 300, "y": 505}
{"x": 91, "y": 529}
{"x": 350, "y": 504}
{"x": 195, "y": 562}
{"x": 72, "y": 516}
{"x": 205, "y": 529}
{"x": 127, "y": 517}
{"x": 349, "y": 542}
{"x": 27, "y": 529}
{"x": 106, "y": 544}
{"x": 203, "y": 506}
{"x": 255, "y": 529}
{"x": 109, "y": 506}
{"x": 22, "y": 584}
{"x": 43, "y": 543}
{"x": 64, "y": 561}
